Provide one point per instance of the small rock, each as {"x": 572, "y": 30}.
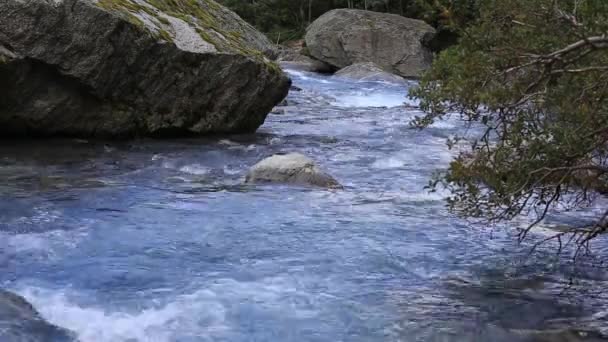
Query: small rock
{"x": 291, "y": 168}
{"x": 278, "y": 111}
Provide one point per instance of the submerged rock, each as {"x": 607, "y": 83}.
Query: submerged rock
{"x": 291, "y": 168}
{"x": 132, "y": 67}
{"x": 397, "y": 44}
{"x": 369, "y": 72}
{"x": 20, "y": 322}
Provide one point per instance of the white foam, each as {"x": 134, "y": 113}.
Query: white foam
{"x": 41, "y": 215}
{"x": 26, "y": 242}
{"x": 415, "y": 196}
{"x": 371, "y": 100}
{"x": 444, "y": 124}
{"x": 295, "y": 73}
{"x": 345, "y": 157}
{"x": 42, "y": 242}
{"x": 430, "y": 155}
{"x": 423, "y": 196}
{"x": 231, "y": 171}
{"x": 93, "y": 324}
{"x": 200, "y": 316}
{"x": 389, "y": 163}
{"x": 228, "y": 142}
{"x": 195, "y": 169}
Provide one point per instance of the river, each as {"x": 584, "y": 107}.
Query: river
{"x": 160, "y": 241}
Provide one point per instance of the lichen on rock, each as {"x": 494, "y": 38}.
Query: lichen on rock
{"x": 133, "y": 67}
{"x": 213, "y": 23}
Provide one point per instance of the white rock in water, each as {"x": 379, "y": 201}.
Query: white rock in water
{"x": 292, "y": 168}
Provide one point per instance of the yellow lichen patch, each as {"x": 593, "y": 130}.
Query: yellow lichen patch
{"x": 200, "y": 14}
{"x": 126, "y": 8}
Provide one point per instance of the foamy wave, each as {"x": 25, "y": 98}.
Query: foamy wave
{"x": 41, "y": 215}
{"x": 46, "y": 243}
{"x": 389, "y": 163}
{"x": 93, "y": 324}
{"x": 371, "y": 100}
{"x": 231, "y": 171}
{"x": 406, "y": 197}
{"x": 201, "y": 316}
{"x": 195, "y": 169}
{"x": 445, "y": 124}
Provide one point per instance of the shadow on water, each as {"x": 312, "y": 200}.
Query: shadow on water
{"x": 519, "y": 304}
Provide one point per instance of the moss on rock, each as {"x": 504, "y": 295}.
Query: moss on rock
{"x": 206, "y": 17}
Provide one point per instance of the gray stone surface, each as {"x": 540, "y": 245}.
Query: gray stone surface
{"x": 293, "y": 58}
{"x": 368, "y": 72}
{"x": 307, "y": 64}
{"x": 292, "y": 168}
{"x": 121, "y": 68}
{"x": 397, "y": 44}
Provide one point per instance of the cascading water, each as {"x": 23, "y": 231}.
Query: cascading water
{"x": 160, "y": 241}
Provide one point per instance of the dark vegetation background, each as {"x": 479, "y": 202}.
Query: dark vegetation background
{"x": 284, "y": 20}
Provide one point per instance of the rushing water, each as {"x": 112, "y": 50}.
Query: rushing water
{"x": 160, "y": 241}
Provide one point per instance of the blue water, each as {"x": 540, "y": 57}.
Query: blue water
{"x": 161, "y": 241}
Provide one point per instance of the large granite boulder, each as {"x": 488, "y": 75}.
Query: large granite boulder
{"x": 132, "y": 67}
{"x": 20, "y": 322}
{"x": 369, "y": 72}
{"x": 397, "y": 44}
{"x": 291, "y": 168}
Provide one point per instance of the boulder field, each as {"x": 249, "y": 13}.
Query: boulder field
{"x": 124, "y": 68}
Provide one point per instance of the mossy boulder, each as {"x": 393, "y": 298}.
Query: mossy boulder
{"x": 123, "y": 68}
